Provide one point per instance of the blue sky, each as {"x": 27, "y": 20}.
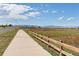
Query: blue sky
{"x": 43, "y": 14}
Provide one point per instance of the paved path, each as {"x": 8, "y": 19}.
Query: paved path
{"x": 24, "y": 45}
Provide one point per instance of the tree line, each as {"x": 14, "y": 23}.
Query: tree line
{"x": 7, "y": 25}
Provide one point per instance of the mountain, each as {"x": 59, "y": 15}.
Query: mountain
{"x": 50, "y": 26}
{"x": 53, "y": 26}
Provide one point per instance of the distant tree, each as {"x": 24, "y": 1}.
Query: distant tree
{"x": 39, "y": 27}
{"x": 6, "y": 25}
{"x": 3, "y": 26}
{"x": 10, "y": 25}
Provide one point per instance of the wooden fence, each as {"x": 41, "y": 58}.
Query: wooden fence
{"x": 62, "y": 45}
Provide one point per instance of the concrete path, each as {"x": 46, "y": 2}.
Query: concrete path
{"x": 24, "y": 45}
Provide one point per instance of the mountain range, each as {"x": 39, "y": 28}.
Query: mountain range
{"x": 50, "y": 26}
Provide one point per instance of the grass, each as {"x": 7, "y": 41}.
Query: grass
{"x": 52, "y": 52}
{"x": 68, "y": 35}
{"x": 5, "y": 39}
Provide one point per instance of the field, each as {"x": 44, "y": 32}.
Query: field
{"x": 69, "y": 36}
{"x": 6, "y": 35}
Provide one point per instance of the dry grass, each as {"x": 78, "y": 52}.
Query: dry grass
{"x": 68, "y": 36}
{"x": 5, "y": 39}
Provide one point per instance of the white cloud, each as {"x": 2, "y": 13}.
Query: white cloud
{"x": 70, "y": 18}
{"x": 33, "y": 14}
{"x": 45, "y": 11}
{"x": 61, "y": 18}
{"x": 16, "y": 16}
{"x": 1, "y": 17}
{"x": 14, "y": 10}
{"x": 54, "y": 11}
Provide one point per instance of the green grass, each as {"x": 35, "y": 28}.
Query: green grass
{"x": 5, "y": 40}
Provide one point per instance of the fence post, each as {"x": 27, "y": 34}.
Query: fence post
{"x": 61, "y": 48}
{"x": 48, "y": 43}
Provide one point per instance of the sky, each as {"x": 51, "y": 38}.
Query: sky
{"x": 42, "y": 14}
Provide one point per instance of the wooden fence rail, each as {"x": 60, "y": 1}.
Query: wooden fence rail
{"x": 61, "y": 44}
